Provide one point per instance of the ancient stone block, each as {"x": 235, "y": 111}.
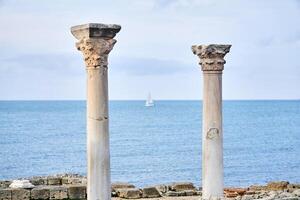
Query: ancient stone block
{"x": 175, "y": 194}
{"x": 293, "y": 187}
{"x": 73, "y": 181}
{"x": 121, "y": 185}
{"x": 58, "y": 192}
{"x": 280, "y": 185}
{"x": 257, "y": 187}
{"x": 250, "y": 192}
{"x": 20, "y": 194}
{"x": 129, "y": 193}
{"x": 77, "y": 192}
{"x": 150, "y": 192}
{"x": 247, "y": 197}
{"x": 38, "y": 181}
{"x": 240, "y": 191}
{"x": 5, "y": 194}
{"x": 54, "y": 181}
{"x": 297, "y": 192}
{"x": 161, "y": 188}
{"x": 181, "y": 186}
{"x": 190, "y": 192}
{"x": 40, "y": 193}
{"x": 4, "y": 184}
{"x": 231, "y": 194}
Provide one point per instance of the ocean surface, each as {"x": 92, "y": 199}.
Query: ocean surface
{"x": 154, "y": 145}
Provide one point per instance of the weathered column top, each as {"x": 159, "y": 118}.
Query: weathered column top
{"x": 93, "y": 30}
{"x": 95, "y": 41}
{"x": 211, "y": 56}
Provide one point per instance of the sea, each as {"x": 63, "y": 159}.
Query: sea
{"x": 152, "y": 145}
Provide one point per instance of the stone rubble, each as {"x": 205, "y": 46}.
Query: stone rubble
{"x": 73, "y": 186}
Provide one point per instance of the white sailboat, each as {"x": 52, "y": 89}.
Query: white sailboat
{"x": 149, "y": 101}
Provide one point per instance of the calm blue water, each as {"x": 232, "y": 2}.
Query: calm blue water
{"x": 152, "y": 145}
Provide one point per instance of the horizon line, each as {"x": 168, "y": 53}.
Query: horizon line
{"x": 154, "y": 100}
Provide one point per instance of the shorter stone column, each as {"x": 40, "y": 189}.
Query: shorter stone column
{"x": 212, "y": 64}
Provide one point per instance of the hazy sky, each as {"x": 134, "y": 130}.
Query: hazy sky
{"x": 38, "y": 58}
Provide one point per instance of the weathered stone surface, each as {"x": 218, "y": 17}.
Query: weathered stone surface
{"x": 278, "y": 185}
{"x": 181, "y": 186}
{"x": 38, "y": 180}
{"x": 40, "y": 193}
{"x": 121, "y": 185}
{"x": 190, "y": 192}
{"x": 297, "y": 192}
{"x": 162, "y": 188}
{"x": 211, "y": 56}
{"x": 129, "y": 193}
{"x": 93, "y": 30}
{"x": 250, "y": 192}
{"x": 58, "y": 192}
{"x": 257, "y": 187}
{"x": 77, "y": 192}
{"x": 73, "y": 181}
{"x": 293, "y": 187}
{"x": 4, "y": 184}
{"x": 54, "y": 180}
{"x": 240, "y": 191}
{"x": 290, "y": 198}
{"x": 150, "y": 192}
{"x": 5, "y": 194}
{"x": 21, "y": 184}
{"x": 20, "y": 194}
{"x": 175, "y": 194}
{"x": 247, "y": 197}
{"x": 231, "y": 194}
{"x": 95, "y": 51}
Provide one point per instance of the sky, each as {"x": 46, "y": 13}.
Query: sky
{"x": 39, "y": 61}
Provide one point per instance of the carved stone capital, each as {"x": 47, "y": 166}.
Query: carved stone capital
{"x": 95, "y": 51}
{"x": 95, "y": 42}
{"x": 211, "y": 56}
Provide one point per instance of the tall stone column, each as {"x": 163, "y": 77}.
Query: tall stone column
{"x": 212, "y": 64}
{"x": 95, "y": 41}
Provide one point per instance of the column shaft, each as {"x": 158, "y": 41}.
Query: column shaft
{"x": 98, "y": 156}
{"x": 212, "y": 137}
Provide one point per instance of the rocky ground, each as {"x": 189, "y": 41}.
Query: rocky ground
{"x": 72, "y": 186}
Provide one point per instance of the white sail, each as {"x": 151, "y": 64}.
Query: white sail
{"x": 149, "y": 101}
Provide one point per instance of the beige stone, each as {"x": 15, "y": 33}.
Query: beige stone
{"x": 77, "y": 192}
{"x": 5, "y": 194}
{"x": 129, "y": 193}
{"x": 182, "y": 186}
{"x": 54, "y": 180}
{"x": 162, "y": 188}
{"x": 20, "y": 194}
{"x": 150, "y": 192}
{"x": 212, "y": 64}
{"x": 121, "y": 185}
{"x": 4, "y": 184}
{"x": 38, "y": 180}
{"x": 58, "y": 192}
{"x": 95, "y": 41}
{"x": 39, "y": 193}
{"x": 73, "y": 181}
{"x": 277, "y": 185}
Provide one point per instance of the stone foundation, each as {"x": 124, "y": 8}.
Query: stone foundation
{"x": 72, "y": 186}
